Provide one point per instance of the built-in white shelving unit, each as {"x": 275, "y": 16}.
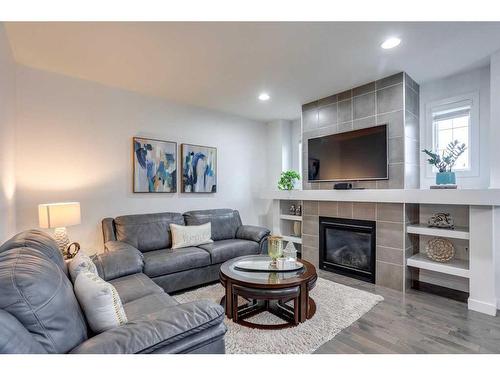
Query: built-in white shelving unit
{"x": 456, "y": 267}
{"x": 291, "y": 217}
{"x": 472, "y": 271}
{"x": 288, "y": 225}
{"x": 461, "y": 233}
{"x": 455, "y": 273}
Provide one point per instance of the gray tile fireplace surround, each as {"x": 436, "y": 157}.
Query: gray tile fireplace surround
{"x": 394, "y": 101}
{"x": 390, "y": 219}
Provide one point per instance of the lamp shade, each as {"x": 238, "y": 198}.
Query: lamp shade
{"x": 56, "y": 215}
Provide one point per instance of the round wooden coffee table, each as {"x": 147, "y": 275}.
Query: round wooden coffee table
{"x": 284, "y": 294}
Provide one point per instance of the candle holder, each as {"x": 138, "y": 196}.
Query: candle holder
{"x": 275, "y": 248}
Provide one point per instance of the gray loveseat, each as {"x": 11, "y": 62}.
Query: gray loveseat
{"x": 39, "y": 312}
{"x": 178, "y": 269}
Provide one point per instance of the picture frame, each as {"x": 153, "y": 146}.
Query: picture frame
{"x": 155, "y": 165}
{"x": 199, "y": 168}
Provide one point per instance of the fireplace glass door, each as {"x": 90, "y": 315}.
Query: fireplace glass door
{"x": 348, "y": 247}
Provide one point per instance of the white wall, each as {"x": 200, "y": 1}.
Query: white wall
{"x": 296, "y": 138}
{"x": 477, "y": 80}
{"x": 279, "y": 150}
{"x": 74, "y": 142}
{"x": 283, "y": 151}
{"x": 7, "y": 138}
{"x": 495, "y": 155}
{"x": 282, "y": 154}
{"x": 495, "y": 119}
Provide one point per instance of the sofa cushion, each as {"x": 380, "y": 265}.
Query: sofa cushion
{"x": 172, "y": 327}
{"x": 135, "y": 286}
{"x": 166, "y": 261}
{"x": 41, "y": 241}
{"x": 225, "y": 222}
{"x": 39, "y": 295}
{"x": 148, "y": 305}
{"x": 147, "y": 232}
{"x": 220, "y": 251}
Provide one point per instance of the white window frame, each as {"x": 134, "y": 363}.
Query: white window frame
{"x": 473, "y": 97}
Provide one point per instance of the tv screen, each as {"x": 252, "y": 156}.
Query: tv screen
{"x": 354, "y": 155}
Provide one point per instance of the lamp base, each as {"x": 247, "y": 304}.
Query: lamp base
{"x": 62, "y": 239}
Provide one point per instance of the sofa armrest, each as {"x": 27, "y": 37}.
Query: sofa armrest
{"x": 188, "y": 323}
{"x": 254, "y": 233}
{"x": 121, "y": 259}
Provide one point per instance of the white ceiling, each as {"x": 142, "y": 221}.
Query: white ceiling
{"x": 224, "y": 66}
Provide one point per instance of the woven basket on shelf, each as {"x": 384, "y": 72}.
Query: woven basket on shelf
{"x": 440, "y": 249}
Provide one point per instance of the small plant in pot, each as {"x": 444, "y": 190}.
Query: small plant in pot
{"x": 445, "y": 162}
{"x": 287, "y": 180}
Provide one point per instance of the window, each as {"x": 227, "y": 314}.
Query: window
{"x": 455, "y": 119}
{"x": 452, "y": 122}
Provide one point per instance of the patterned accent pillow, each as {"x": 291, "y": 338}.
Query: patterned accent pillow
{"x": 190, "y": 235}
{"x": 81, "y": 262}
{"x": 100, "y": 302}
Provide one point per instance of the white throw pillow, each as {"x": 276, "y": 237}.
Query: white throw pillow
{"x": 190, "y": 235}
{"x": 100, "y": 302}
{"x": 80, "y": 263}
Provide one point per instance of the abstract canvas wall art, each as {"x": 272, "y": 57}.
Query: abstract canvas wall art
{"x": 199, "y": 169}
{"x": 155, "y": 166}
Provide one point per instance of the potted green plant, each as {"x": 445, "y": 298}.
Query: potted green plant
{"x": 445, "y": 162}
{"x": 287, "y": 180}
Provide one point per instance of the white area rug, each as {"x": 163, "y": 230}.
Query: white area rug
{"x": 338, "y": 306}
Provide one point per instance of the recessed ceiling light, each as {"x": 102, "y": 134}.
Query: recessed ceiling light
{"x": 264, "y": 96}
{"x": 390, "y": 43}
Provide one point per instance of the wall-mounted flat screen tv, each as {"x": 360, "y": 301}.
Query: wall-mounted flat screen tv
{"x": 353, "y": 155}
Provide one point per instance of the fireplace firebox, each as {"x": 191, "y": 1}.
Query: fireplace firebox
{"x": 347, "y": 246}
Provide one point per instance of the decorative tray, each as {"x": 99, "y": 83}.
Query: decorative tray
{"x": 263, "y": 265}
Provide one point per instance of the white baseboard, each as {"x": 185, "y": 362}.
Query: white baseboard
{"x": 483, "y": 307}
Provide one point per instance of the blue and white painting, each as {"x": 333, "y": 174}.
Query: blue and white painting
{"x": 199, "y": 169}
{"x": 155, "y": 166}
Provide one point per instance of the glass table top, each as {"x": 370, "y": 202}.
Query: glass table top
{"x": 261, "y": 276}
{"x": 264, "y": 264}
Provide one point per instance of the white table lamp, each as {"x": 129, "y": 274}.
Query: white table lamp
{"x": 59, "y": 216}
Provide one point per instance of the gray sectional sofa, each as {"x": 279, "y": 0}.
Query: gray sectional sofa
{"x": 177, "y": 269}
{"x": 39, "y": 312}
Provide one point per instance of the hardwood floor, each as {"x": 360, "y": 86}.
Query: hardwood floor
{"x": 416, "y": 322}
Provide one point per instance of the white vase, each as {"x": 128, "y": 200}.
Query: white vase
{"x": 297, "y": 229}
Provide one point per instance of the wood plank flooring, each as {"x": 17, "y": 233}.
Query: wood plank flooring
{"x": 416, "y": 322}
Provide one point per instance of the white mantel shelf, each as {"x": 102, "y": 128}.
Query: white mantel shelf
{"x": 472, "y": 197}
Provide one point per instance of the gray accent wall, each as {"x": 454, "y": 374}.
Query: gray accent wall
{"x": 394, "y": 101}
{"x": 412, "y": 134}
